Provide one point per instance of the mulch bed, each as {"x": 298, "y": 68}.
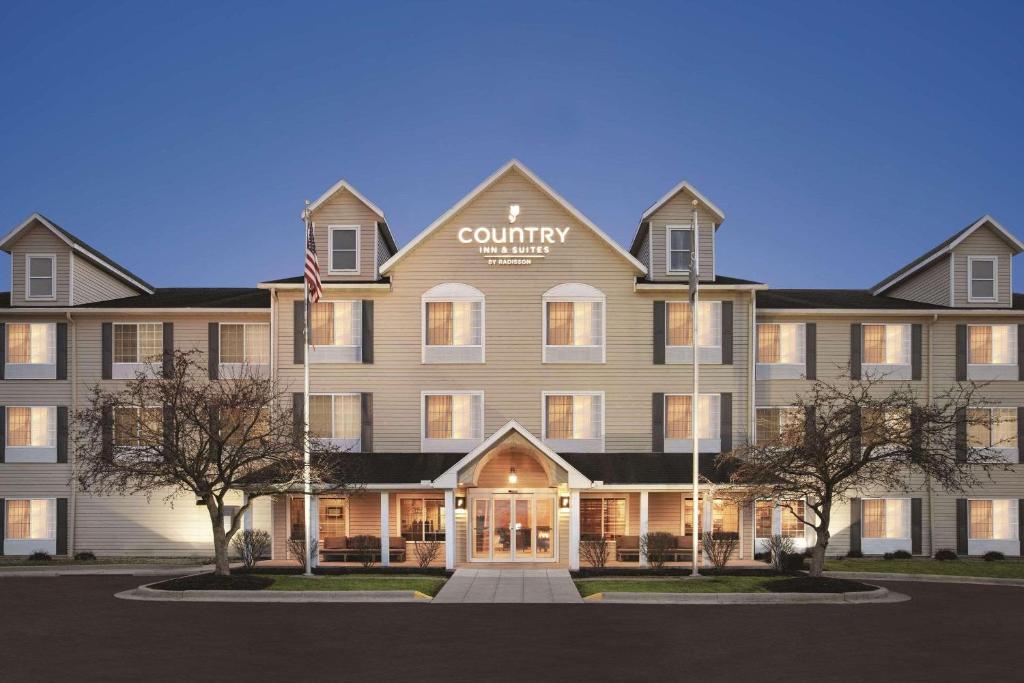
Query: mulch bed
{"x": 594, "y": 572}
{"x": 215, "y": 582}
{"x": 822, "y": 584}
{"x": 342, "y": 571}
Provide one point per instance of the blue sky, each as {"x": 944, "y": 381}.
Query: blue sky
{"x": 840, "y": 139}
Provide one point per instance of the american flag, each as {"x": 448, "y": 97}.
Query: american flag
{"x": 316, "y": 290}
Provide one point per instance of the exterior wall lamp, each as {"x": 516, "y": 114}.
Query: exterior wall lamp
{"x": 563, "y": 502}
{"x": 512, "y": 476}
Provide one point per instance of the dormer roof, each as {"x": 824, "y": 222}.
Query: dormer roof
{"x": 682, "y": 186}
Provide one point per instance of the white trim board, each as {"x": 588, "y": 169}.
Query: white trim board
{"x": 335, "y": 189}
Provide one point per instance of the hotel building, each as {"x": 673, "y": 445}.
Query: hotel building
{"x": 513, "y": 379}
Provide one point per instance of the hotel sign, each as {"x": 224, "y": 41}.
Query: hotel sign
{"x": 514, "y": 245}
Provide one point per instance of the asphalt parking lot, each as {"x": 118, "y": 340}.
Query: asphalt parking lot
{"x": 72, "y": 628}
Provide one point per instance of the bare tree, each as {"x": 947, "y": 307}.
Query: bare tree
{"x": 860, "y": 436}
{"x": 595, "y": 550}
{"x": 426, "y": 552}
{"x": 180, "y": 432}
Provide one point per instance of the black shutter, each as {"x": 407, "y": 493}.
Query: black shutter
{"x": 1020, "y": 445}
{"x": 168, "y": 350}
{"x": 657, "y": 423}
{"x": 62, "y": 526}
{"x": 727, "y": 333}
{"x": 367, "y": 331}
{"x": 298, "y": 333}
{"x": 961, "y": 526}
{"x": 855, "y": 352}
{"x": 3, "y": 525}
{"x": 62, "y": 433}
{"x": 960, "y": 417}
{"x": 916, "y": 418}
{"x": 915, "y": 526}
{"x": 725, "y": 417}
{"x": 1020, "y": 524}
{"x": 3, "y": 359}
{"x": 108, "y": 431}
{"x": 811, "y": 350}
{"x": 62, "y": 350}
{"x": 298, "y": 415}
{"x": 168, "y": 429}
{"x": 915, "y": 351}
{"x": 3, "y": 434}
{"x": 855, "y": 525}
{"x": 961, "y": 353}
{"x": 810, "y": 428}
{"x": 108, "y": 350}
{"x": 659, "y": 332}
{"x": 855, "y": 431}
{"x": 213, "y": 349}
{"x": 1020, "y": 353}
{"x": 366, "y": 422}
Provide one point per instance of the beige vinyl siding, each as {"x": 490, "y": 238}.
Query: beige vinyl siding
{"x": 983, "y": 242}
{"x": 40, "y": 240}
{"x": 93, "y": 284}
{"x": 514, "y": 376}
{"x": 679, "y": 211}
{"x": 344, "y": 209}
{"x": 930, "y": 285}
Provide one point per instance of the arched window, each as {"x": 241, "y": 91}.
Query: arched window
{"x": 574, "y": 315}
{"x": 453, "y": 324}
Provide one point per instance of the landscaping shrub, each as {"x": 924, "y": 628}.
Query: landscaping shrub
{"x": 215, "y": 582}
{"x": 993, "y": 556}
{"x": 793, "y": 562}
{"x": 887, "y": 556}
{"x": 719, "y": 549}
{"x": 40, "y": 556}
{"x": 595, "y": 551}
{"x": 817, "y": 584}
{"x": 778, "y": 548}
{"x": 251, "y": 545}
{"x": 854, "y": 554}
{"x": 368, "y": 546}
{"x": 85, "y": 556}
{"x": 763, "y": 557}
{"x": 902, "y": 555}
{"x": 297, "y": 548}
{"x": 945, "y": 554}
{"x": 426, "y": 552}
{"x": 657, "y": 545}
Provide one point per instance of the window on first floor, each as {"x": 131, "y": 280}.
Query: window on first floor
{"x": 32, "y": 343}
{"x": 421, "y": 519}
{"x": 336, "y": 323}
{"x": 885, "y": 518}
{"x": 335, "y": 416}
{"x": 134, "y": 426}
{"x": 332, "y": 517}
{"x": 781, "y": 343}
{"x": 297, "y": 518}
{"x": 725, "y": 517}
{"x": 602, "y": 517}
{"x": 30, "y": 520}
{"x": 572, "y": 416}
{"x": 992, "y": 344}
{"x": 245, "y": 343}
{"x": 763, "y": 522}
{"x": 32, "y": 426}
{"x": 138, "y": 342}
{"x": 790, "y": 512}
{"x": 993, "y": 519}
{"x": 453, "y": 416}
{"x": 679, "y": 416}
{"x": 992, "y": 427}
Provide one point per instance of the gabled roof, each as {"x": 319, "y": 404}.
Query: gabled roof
{"x": 643, "y": 226}
{"x": 179, "y": 298}
{"x": 338, "y": 187}
{"x": 106, "y": 263}
{"x": 947, "y": 247}
{"x": 514, "y": 164}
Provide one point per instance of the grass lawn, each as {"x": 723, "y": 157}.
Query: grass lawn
{"x": 1003, "y": 569}
{"x": 356, "y": 582}
{"x": 65, "y": 562}
{"x": 716, "y": 584}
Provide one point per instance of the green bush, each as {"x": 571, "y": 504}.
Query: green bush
{"x": 368, "y": 547}
{"x": 993, "y": 556}
{"x": 855, "y": 554}
{"x": 793, "y": 562}
{"x": 902, "y": 555}
{"x": 40, "y": 556}
{"x": 945, "y": 554}
{"x": 85, "y": 556}
{"x": 656, "y": 545}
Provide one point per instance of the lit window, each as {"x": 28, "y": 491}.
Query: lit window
{"x": 780, "y": 343}
{"x": 421, "y": 519}
{"x": 572, "y": 416}
{"x": 982, "y": 278}
{"x": 31, "y": 520}
{"x": 602, "y": 517}
{"x": 886, "y": 344}
{"x": 680, "y": 248}
{"x": 790, "y": 524}
{"x": 992, "y": 344}
{"x": 32, "y": 343}
{"x": 332, "y": 517}
{"x": 454, "y": 323}
{"x": 238, "y": 426}
{"x": 138, "y": 343}
{"x": 725, "y": 517}
{"x": 885, "y": 518}
{"x": 40, "y": 271}
{"x": 335, "y": 416}
{"x": 344, "y": 249}
{"x": 31, "y": 427}
{"x": 992, "y": 427}
{"x": 679, "y": 323}
{"x": 245, "y": 343}
{"x": 679, "y": 417}
{"x": 884, "y": 428}
{"x": 138, "y": 427}
{"x": 776, "y": 424}
{"x": 993, "y": 519}
{"x": 453, "y": 416}
{"x": 337, "y": 323}
{"x": 763, "y": 513}
{"x": 574, "y": 323}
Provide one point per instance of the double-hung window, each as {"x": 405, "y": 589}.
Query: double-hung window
{"x": 679, "y": 423}
{"x": 884, "y": 429}
{"x": 993, "y": 428}
{"x": 781, "y": 518}
{"x": 764, "y": 522}
{"x": 574, "y": 316}
{"x": 781, "y": 350}
{"x": 679, "y": 332}
{"x": 31, "y": 434}
{"x": 983, "y": 277}
{"x": 452, "y": 421}
{"x": 336, "y": 332}
{"x": 602, "y": 518}
{"x": 344, "y": 249}
{"x": 574, "y": 421}
{"x": 992, "y": 519}
{"x": 337, "y": 419}
{"x": 31, "y": 351}
{"x": 779, "y": 425}
{"x": 421, "y": 519}
{"x": 453, "y": 324}
{"x": 244, "y": 346}
{"x": 138, "y": 348}
{"x": 790, "y": 513}
{"x": 886, "y": 518}
{"x": 991, "y": 352}
{"x": 40, "y": 277}
{"x": 333, "y": 520}
{"x": 885, "y": 351}
{"x": 30, "y": 524}
{"x": 679, "y": 245}
{"x": 136, "y": 427}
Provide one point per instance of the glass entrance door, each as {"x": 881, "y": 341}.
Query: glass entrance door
{"x": 513, "y": 528}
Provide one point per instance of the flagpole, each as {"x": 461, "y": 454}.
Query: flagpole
{"x": 695, "y": 401}
{"x": 307, "y": 486}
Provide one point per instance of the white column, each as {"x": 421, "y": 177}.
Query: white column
{"x": 247, "y": 515}
{"x": 643, "y": 527}
{"x": 385, "y": 529}
{"x": 314, "y": 525}
{"x": 449, "y": 530}
{"x": 574, "y": 530}
{"x": 707, "y": 522}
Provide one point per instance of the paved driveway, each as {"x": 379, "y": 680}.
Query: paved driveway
{"x": 72, "y": 628}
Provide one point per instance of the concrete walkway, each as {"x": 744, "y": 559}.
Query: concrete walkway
{"x": 509, "y": 585}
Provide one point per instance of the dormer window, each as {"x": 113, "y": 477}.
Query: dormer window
{"x": 680, "y": 247}
{"x": 344, "y": 248}
{"x": 982, "y": 272}
{"x": 40, "y": 277}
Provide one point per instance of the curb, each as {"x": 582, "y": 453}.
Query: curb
{"x": 127, "y": 570}
{"x": 928, "y": 578}
{"x": 154, "y": 595}
{"x": 879, "y": 595}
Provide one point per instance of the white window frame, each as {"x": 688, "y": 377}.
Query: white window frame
{"x": 781, "y": 370}
{"x": 19, "y": 546}
{"x": 573, "y": 445}
{"x": 113, "y": 425}
{"x": 573, "y": 292}
{"x": 338, "y": 353}
{"x": 800, "y": 543}
{"x": 52, "y": 296}
{"x": 449, "y": 445}
{"x": 704, "y": 444}
{"x": 683, "y": 354}
{"x": 668, "y": 249}
{"x": 971, "y": 298}
{"x": 453, "y": 292}
{"x": 30, "y": 370}
{"x": 230, "y": 369}
{"x": 423, "y": 497}
{"x": 1007, "y": 452}
{"x": 763, "y": 407}
{"x": 887, "y": 371}
{"x": 353, "y": 445}
{"x": 36, "y": 454}
{"x": 879, "y": 545}
{"x": 130, "y": 370}
{"x": 331, "y": 270}
{"x": 994, "y": 371}
{"x": 609, "y": 495}
{"x": 1007, "y": 546}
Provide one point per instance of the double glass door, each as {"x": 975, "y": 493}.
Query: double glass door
{"x": 513, "y": 528}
